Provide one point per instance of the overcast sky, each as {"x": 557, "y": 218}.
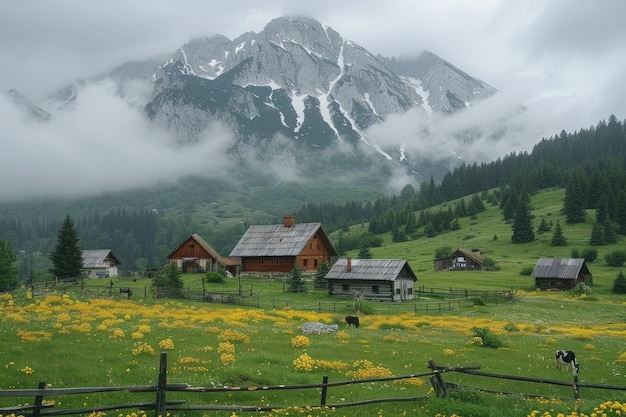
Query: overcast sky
{"x": 565, "y": 59}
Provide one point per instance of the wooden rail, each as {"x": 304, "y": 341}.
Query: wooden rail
{"x": 162, "y": 406}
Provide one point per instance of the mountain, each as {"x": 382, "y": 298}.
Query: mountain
{"x": 299, "y": 80}
{"x": 30, "y": 110}
{"x": 302, "y": 80}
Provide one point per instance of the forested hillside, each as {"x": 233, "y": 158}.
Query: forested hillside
{"x": 590, "y": 164}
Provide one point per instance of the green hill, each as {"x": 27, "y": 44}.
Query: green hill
{"x": 488, "y": 232}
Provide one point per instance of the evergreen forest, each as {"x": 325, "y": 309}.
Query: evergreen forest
{"x": 589, "y": 164}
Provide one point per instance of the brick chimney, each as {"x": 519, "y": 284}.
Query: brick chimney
{"x": 349, "y": 264}
{"x": 289, "y": 221}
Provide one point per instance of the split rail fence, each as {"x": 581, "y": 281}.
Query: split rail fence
{"x": 163, "y": 406}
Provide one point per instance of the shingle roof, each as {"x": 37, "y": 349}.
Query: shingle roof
{"x": 275, "y": 240}
{"x": 203, "y": 243}
{"x": 369, "y": 269}
{"x": 564, "y": 268}
{"x": 95, "y": 258}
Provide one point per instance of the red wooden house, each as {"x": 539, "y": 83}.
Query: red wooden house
{"x": 281, "y": 247}
{"x": 194, "y": 254}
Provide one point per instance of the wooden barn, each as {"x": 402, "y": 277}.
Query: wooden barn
{"x": 560, "y": 273}
{"x": 281, "y": 247}
{"x": 195, "y": 255}
{"x": 99, "y": 263}
{"x": 461, "y": 260}
{"x": 372, "y": 279}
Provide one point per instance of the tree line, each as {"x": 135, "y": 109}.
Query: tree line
{"x": 589, "y": 164}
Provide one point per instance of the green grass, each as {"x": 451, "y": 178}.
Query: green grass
{"x": 511, "y": 258}
{"x": 81, "y": 351}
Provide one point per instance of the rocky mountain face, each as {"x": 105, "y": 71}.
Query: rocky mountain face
{"x": 302, "y": 80}
{"x": 296, "y": 79}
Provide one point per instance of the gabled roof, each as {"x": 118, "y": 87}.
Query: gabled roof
{"x": 473, "y": 255}
{"x": 95, "y": 258}
{"x": 204, "y": 245}
{"x": 470, "y": 254}
{"x": 370, "y": 269}
{"x": 277, "y": 240}
{"x": 563, "y": 268}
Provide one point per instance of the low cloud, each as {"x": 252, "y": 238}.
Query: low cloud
{"x": 102, "y": 145}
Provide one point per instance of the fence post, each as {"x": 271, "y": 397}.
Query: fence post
{"x": 38, "y": 400}
{"x": 324, "y": 390}
{"x": 159, "y": 409}
{"x": 437, "y": 380}
{"x": 576, "y": 393}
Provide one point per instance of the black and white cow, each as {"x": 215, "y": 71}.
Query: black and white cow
{"x": 352, "y": 321}
{"x": 567, "y": 358}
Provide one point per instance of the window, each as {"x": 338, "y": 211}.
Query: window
{"x": 305, "y": 262}
{"x": 315, "y": 263}
{"x": 375, "y": 289}
{"x": 409, "y": 291}
{"x": 260, "y": 261}
{"x": 398, "y": 291}
{"x": 191, "y": 246}
{"x": 345, "y": 287}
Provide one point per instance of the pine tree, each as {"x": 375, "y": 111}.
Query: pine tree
{"x": 67, "y": 257}
{"x": 365, "y": 253}
{"x": 597, "y": 236}
{"x": 8, "y": 269}
{"x": 296, "y": 281}
{"x": 522, "y": 225}
{"x": 574, "y": 203}
{"x": 619, "y": 285}
{"x": 557, "y": 238}
{"x": 543, "y": 226}
{"x": 319, "y": 281}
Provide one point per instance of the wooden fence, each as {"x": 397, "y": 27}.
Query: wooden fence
{"x": 163, "y": 406}
{"x": 431, "y": 300}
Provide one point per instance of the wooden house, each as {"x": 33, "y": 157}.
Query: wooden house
{"x": 461, "y": 260}
{"x": 281, "y": 247}
{"x": 560, "y": 273}
{"x": 372, "y": 279}
{"x": 99, "y": 263}
{"x": 195, "y": 255}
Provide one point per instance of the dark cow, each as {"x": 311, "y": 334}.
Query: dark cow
{"x": 567, "y": 358}
{"x": 352, "y": 321}
{"x": 126, "y": 291}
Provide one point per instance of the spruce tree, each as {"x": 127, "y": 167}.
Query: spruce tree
{"x": 619, "y": 285}
{"x": 296, "y": 280}
{"x": 8, "y": 269}
{"x": 574, "y": 203}
{"x": 365, "y": 253}
{"x": 597, "y": 236}
{"x": 319, "y": 281}
{"x": 67, "y": 256}
{"x": 557, "y": 238}
{"x": 522, "y": 225}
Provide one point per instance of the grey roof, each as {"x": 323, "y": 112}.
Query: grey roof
{"x": 369, "y": 269}
{"x": 95, "y": 258}
{"x": 564, "y": 268}
{"x": 275, "y": 240}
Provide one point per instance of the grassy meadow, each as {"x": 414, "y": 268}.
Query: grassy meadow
{"x": 70, "y": 341}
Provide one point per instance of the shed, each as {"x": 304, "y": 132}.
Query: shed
{"x": 195, "y": 255}
{"x": 372, "y": 279}
{"x": 281, "y": 247}
{"x": 560, "y": 273}
{"x": 461, "y": 260}
{"x": 99, "y": 263}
